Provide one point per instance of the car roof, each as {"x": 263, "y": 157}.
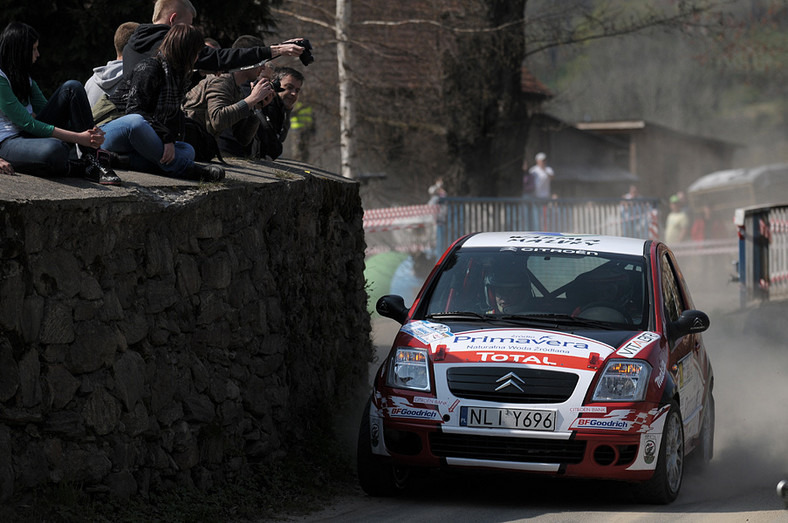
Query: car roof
{"x": 562, "y": 241}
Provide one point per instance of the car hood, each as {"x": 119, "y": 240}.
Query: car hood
{"x": 461, "y": 342}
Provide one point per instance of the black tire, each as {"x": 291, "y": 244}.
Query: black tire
{"x": 665, "y": 484}
{"x": 705, "y": 449}
{"x": 376, "y": 474}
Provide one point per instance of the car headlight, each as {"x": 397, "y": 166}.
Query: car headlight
{"x": 623, "y": 380}
{"x": 409, "y": 369}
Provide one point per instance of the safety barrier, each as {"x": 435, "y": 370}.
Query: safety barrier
{"x": 395, "y": 218}
{"x": 433, "y": 227}
{"x": 637, "y": 218}
{"x": 763, "y": 253}
{"x": 706, "y": 247}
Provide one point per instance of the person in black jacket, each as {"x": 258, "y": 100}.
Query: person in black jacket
{"x": 149, "y": 134}
{"x": 166, "y": 13}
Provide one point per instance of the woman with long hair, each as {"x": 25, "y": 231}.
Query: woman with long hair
{"x": 38, "y": 136}
{"x": 151, "y": 129}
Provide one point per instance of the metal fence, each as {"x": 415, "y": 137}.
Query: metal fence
{"x": 763, "y": 253}
{"x": 637, "y": 218}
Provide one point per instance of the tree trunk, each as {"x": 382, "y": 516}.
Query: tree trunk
{"x": 487, "y": 113}
{"x": 347, "y": 152}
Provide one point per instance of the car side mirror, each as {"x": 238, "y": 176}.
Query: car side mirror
{"x": 392, "y": 306}
{"x": 690, "y": 322}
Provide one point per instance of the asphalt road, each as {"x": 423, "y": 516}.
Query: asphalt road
{"x": 750, "y": 358}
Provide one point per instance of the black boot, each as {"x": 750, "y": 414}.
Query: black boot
{"x": 204, "y": 173}
{"x": 98, "y": 173}
{"x": 115, "y": 160}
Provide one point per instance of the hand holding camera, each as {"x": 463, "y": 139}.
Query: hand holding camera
{"x": 262, "y": 93}
{"x": 299, "y": 47}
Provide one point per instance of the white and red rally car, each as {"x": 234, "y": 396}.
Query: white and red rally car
{"x": 563, "y": 354}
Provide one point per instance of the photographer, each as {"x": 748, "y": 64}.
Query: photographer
{"x": 275, "y": 117}
{"x": 146, "y": 40}
{"x": 217, "y": 104}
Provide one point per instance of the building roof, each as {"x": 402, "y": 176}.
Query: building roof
{"x": 631, "y": 126}
{"x": 531, "y": 85}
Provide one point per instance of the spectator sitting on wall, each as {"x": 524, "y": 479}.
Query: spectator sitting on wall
{"x": 54, "y": 137}
{"x": 217, "y": 103}
{"x": 274, "y": 118}
{"x": 146, "y": 39}
{"x": 148, "y": 124}
{"x": 106, "y": 77}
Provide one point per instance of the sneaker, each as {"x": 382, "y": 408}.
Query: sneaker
{"x": 98, "y": 173}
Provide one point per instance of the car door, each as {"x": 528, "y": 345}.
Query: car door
{"x": 684, "y": 361}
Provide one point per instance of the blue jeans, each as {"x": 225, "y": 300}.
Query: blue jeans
{"x": 131, "y": 135}
{"x": 68, "y": 109}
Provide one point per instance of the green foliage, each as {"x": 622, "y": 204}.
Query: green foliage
{"x": 76, "y": 35}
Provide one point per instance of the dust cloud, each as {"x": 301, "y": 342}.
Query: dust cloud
{"x": 749, "y": 355}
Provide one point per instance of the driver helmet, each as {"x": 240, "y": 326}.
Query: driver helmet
{"x": 507, "y": 289}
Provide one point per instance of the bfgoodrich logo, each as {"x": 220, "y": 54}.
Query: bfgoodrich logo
{"x": 404, "y": 412}
{"x": 596, "y": 423}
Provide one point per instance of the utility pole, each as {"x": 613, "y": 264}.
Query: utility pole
{"x": 347, "y": 146}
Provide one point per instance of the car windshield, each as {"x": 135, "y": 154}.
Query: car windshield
{"x": 511, "y": 283}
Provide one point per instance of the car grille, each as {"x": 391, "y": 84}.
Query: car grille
{"x": 522, "y": 450}
{"x": 524, "y": 385}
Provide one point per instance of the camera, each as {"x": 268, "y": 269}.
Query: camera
{"x": 305, "y": 57}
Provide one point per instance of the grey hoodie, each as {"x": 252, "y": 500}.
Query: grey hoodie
{"x": 104, "y": 80}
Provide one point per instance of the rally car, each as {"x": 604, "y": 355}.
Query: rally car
{"x": 547, "y": 353}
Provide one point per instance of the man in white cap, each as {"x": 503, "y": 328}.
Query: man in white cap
{"x": 541, "y": 174}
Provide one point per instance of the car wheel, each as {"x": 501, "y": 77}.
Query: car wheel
{"x": 376, "y": 474}
{"x": 706, "y": 447}
{"x": 664, "y": 485}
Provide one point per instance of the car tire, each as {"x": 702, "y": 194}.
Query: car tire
{"x": 705, "y": 450}
{"x": 664, "y": 485}
{"x": 377, "y": 476}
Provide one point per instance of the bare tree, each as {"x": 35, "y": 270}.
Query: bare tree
{"x": 346, "y": 105}
{"x": 436, "y": 84}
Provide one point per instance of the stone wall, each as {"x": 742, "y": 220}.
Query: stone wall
{"x": 170, "y": 332}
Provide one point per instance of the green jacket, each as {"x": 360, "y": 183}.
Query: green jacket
{"x": 16, "y": 118}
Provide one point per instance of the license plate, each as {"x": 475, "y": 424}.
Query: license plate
{"x": 526, "y": 419}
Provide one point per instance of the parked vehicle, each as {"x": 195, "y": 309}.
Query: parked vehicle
{"x": 725, "y": 191}
{"x": 546, "y": 353}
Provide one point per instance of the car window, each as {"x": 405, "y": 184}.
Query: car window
{"x": 572, "y": 284}
{"x": 670, "y": 290}
{"x": 555, "y": 272}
